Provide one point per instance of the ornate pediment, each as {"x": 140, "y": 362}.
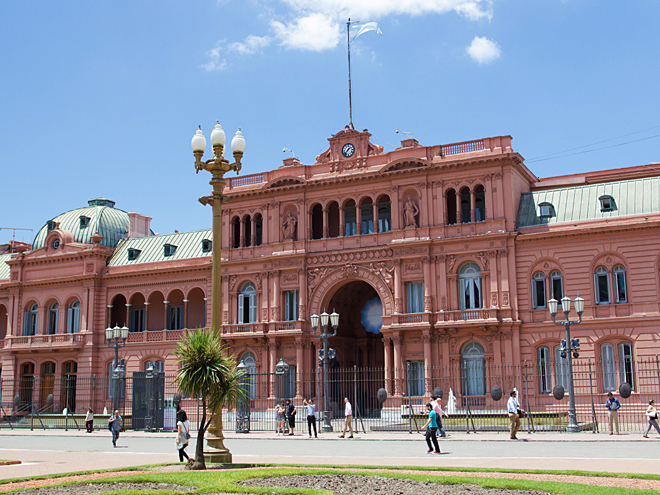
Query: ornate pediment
{"x": 285, "y": 181}
{"x": 404, "y": 164}
{"x": 348, "y": 149}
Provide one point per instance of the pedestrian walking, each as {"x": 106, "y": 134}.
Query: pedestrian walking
{"x": 280, "y": 412}
{"x": 311, "y": 416}
{"x": 183, "y": 434}
{"x": 431, "y": 426}
{"x": 348, "y": 414}
{"x": 652, "y": 414}
{"x": 613, "y": 405}
{"x": 514, "y": 414}
{"x": 89, "y": 420}
{"x": 291, "y": 416}
{"x": 437, "y": 407}
{"x": 115, "y": 423}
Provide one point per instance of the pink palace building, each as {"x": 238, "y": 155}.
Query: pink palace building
{"x": 432, "y": 255}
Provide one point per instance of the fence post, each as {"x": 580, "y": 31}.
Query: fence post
{"x": 530, "y": 423}
{"x": 657, "y": 365}
{"x": 93, "y": 396}
{"x": 66, "y": 405}
{"x": 594, "y": 421}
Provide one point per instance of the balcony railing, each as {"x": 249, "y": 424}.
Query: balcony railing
{"x": 57, "y": 340}
{"x": 243, "y": 328}
{"x": 155, "y": 336}
{"x": 467, "y": 314}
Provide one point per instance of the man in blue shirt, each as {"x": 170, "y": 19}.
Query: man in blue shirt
{"x": 115, "y": 426}
{"x": 514, "y": 414}
{"x": 613, "y": 406}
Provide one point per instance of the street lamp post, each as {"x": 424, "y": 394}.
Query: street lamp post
{"x": 217, "y": 166}
{"x": 334, "y": 322}
{"x": 570, "y": 348}
{"x": 116, "y": 338}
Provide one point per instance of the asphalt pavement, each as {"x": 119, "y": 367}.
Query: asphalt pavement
{"x": 53, "y": 452}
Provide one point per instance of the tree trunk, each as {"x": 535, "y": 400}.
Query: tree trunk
{"x": 199, "y": 463}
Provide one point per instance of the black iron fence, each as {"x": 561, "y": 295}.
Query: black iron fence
{"x": 382, "y": 399}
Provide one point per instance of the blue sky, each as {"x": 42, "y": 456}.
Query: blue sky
{"x": 102, "y": 98}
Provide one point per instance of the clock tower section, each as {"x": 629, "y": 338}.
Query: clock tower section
{"x": 349, "y": 150}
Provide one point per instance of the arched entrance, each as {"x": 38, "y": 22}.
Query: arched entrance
{"x": 358, "y": 341}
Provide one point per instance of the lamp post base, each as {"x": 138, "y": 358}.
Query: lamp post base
{"x": 573, "y": 429}
{"x": 218, "y": 457}
{"x": 327, "y": 429}
{"x": 215, "y": 450}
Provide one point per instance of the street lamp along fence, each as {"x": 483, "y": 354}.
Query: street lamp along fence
{"x": 324, "y": 319}
{"x": 217, "y": 166}
{"x": 116, "y": 338}
{"x": 569, "y": 349}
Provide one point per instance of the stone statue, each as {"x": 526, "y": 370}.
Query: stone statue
{"x": 410, "y": 212}
{"x": 451, "y": 403}
{"x": 289, "y": 227}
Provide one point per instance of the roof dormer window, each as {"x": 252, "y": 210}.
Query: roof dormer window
{"x": 607, "y": 203}
{"x": 51, "y": 225}
{"x": 545, "y": 210}
{"x": 133, "y": 254}
{"x": 84, "y": 221}
{"x": 206, "y": 246}
{"x": 169, "y": 250}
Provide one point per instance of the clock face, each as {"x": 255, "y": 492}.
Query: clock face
{"x": 347, "y": 150}
{"x": 56, "y": 243}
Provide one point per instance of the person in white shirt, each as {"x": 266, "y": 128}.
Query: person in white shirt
{"x": 89, "y": 420}
{"x": 348, "y": 414}
{"x": 513, "y": 408}
{"x": 437, "y": 407}
{"x": 311, "y": 416}
{"x": 182, "y": 434}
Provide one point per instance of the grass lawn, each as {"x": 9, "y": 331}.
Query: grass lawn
{"x": 214, "y": 481}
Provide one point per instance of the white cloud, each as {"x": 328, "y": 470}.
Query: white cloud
{"x": 483, "y": 50}
{"x": 214, "y": 62}
{"x": 313, "y": 32}
{"x": 252, "y": 44}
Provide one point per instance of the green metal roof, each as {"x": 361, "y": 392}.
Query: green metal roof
{"x": 573, "y": 204}
{"x": 104, "y": 218}
{"x": 152, "y": 248}
{"x": 4, "y": 267}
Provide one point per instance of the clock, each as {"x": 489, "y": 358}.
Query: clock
{"x": 347, "y": 150}
{"x": 56, "y": 243}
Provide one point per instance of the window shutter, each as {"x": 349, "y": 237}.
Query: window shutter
{"x": 461, "y": 292}
{"x": 26, "y": 322}
{"x": 241, "y": 313}
{"x": 477, "y": 293}
{"x": 253, "y": 308}
{"x": 295, "y": 304}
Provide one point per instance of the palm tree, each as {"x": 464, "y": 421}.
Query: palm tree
{"x": 207, "y": 372}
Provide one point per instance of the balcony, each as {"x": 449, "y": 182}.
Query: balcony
{"x": 155, "y": 336}
{"x": 467, "y": 315}
{"x": 58, "y": 340}
{"x": 244, "y": 329}
{"x": 412, "y": 319}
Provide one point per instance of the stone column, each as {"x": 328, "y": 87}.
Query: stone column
{"x": 253, "y": 231}
{"x": 473, "y": 207}
{"x": 358, "y": 219}
{"x": 128, "y": 315}
{"x": 242, "y": 237}
{"x": 146, "y": 315}
{"x": 342, "y": 221}
{"x": 428, "y": 281}
{"x": 504, "y": 270}
{"x": 165, "y": 319}
{"x": 302, "y": 295}
{"x": 109, "y": 316}
{"x": 375, "y": 212}
{"x": 398, "y": 371}
{"x": 428, "y": 360}
{"x": 272, "y": 347}
{"x": 326, "y": 230}
{"x": 387, "y": 347}
{"x": 459, "y": 211}
{"x": 42, "y": 322}
{"x": 299, "y": 367}
{"x": 275, "y": 308}
{"x": 398, "y": 307}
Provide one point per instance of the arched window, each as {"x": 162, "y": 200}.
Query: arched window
{"x": 602, "y": 283}
{"x": 30, "y": 320}
{"x": 248, "y": 360}
{"x": 609, "y": 367}
{"x": 158, "y": 365}
{"x": 538, "y": 290}
{"x": 480, "y": 203}
{"x": 451, "y": 207}
{"x": 333, "y": 219}
{"x": 247, "y": 304}
{"x": 247, "y": 225}
{"x": 557, "y": 285}
{"x": 350, "y": 219}
{"x": 561, "y": 368}
{"x": 626, "y": 364}
{"x": 384, "y": 214}
{"x": 545, "y": 370}
{"x": 73, "y": 320}
{"x": 236, "y": 233}
{"x": 53, "y": 317}
{"x": 47, "y": 383}
{"x": 469, "y": 286}
{"x": 317, "y": 221}
{"x": 258, "y": 229}
{"x": 474, "y": 373}
{"x": 620, "y": 292}
{"x": 367, "y": 216}
{"x": 465, "y": 205}
{"x": 26, "y": 387}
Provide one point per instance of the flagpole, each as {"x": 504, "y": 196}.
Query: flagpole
{"x": 350, "y": 101}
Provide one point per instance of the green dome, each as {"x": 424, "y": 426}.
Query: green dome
{"x": 100, "y": 216}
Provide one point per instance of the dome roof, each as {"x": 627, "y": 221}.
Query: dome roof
{"x": 100, "y": 216}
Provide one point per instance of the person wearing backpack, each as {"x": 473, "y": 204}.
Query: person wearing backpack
{"x": 114, "y": 425}
{"x": 183, "y": 434}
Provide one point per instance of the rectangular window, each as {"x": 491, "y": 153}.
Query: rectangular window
{"x": 539, "y": 292}
{"x": 175, "y": 317}
{"x": 557, "y": 287}
{"x": 626, "y": 364}
{"x": 414, "y": 297}
{"x": 620, "y": 286}
{"x": 290, "y": 305}
{"x": 609, "y": 374}
{"x": 415, "y": 378}
{"x": 52, "y": 321}
{"x": 602, "y": 288}
{"x": 136, "y": 320}
{"x": 350, "y": 220}
{"x": 545, "y": 374}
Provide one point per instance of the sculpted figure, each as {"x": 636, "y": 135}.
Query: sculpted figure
{"x": 410, "y": 212}
{"x": 289, "y": 227}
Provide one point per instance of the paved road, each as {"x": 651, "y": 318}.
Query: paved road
{"x": 57, "y": 452}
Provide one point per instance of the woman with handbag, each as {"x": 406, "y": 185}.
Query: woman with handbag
{"x": 183, "y": 434}
{"x": 652, "y": 414}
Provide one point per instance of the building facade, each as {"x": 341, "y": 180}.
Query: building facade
{"x": 433, "y": 256}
